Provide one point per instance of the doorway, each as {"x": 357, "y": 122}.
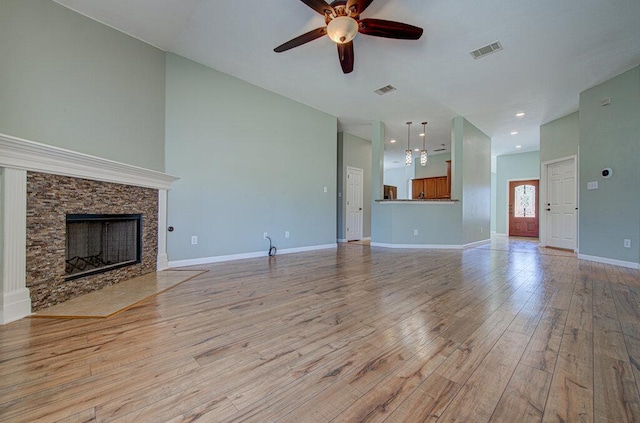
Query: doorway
{"x": 355, "y": 200}
{"x": 559, "y": 220}
{"x": 523, "y": 208}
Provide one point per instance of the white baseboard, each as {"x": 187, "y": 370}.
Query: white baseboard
{"x": 14, "y": 305}
{"x": 420, "y": 246}
{"x": 476, "y": 244}
{"x": 162, "y": 263}
{"x": 366, "y": 238}
{"x": 432, "y": 246}
{"x": 605, "y": 260}
{"x": 232, "y": 257}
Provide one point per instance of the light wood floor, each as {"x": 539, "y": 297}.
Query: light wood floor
{"x": 506, "y": 332}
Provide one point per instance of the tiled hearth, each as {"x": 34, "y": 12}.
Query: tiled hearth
{"x": 39, "y": 185}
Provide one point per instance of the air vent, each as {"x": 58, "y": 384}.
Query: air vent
{"x": 385, "y": 90}
{"x": 488, "y": 49}
{"x": 440, "y": 149}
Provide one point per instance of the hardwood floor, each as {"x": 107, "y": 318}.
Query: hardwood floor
{"x": 506, "y": 332}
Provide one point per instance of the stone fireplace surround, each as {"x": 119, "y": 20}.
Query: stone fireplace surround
{"x": 55, "y": 169}
{"x": 49, "y": 199}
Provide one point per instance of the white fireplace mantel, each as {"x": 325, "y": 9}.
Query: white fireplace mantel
{"x": 17, "y": 157}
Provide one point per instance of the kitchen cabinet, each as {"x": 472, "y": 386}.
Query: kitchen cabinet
{"x": 437, "y": 187}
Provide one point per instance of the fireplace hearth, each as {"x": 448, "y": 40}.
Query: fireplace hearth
{"x": 98, "y": 243}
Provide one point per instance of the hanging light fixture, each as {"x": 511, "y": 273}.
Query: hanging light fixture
{"x": 408, "y": 156}
{"x": 423, "y": 152}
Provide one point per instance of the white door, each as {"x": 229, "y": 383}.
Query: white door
{"x": 561, "y": 204}
{"x": 354, "y": 203}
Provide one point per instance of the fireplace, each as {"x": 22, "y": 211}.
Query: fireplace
{"x": 40, "y": 185}
{"x": 98, "y": 243}
{"x": 57, "y": 268}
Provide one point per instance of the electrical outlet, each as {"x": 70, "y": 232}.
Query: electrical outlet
{"x": 264, "y": 236}
{"x": 627, "y": 243}
{"x": 592, "y": 185}
{"x": 194, "y": 240}
{"x": 286, "y": 234}
{"x": 325, "y": 189}
{"x": 415, "y": 232}
{"x": 481, "y": 229}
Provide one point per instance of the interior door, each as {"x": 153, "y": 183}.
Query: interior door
{"x": 561, "y": 205}
{"x": 523, "y": 208}
{"x": 354, "y": 203}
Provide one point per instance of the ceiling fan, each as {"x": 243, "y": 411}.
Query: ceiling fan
{"x": 343, "y": 24}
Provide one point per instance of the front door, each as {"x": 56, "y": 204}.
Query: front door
{"x": 561, "y": 205}
{"x": 354, "y": 203}
{"x": 523, "y": 208}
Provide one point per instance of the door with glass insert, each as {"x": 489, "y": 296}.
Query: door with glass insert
{"x": 523, "y": 208}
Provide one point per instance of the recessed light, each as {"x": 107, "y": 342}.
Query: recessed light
{"x": 520, "y": 114}
{"x": 514, "y": 132}
{"x": 416, "y": 149}
{"x": 422, "y": 134}
{"x": 518, "y": 146}
{"x": 392, "y": 141}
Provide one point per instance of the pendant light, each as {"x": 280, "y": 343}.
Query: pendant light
{"x": 423, "y": 152}
{"x": 408, "y": 156}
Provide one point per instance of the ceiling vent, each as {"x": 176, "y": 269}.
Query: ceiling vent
{"x": 385, "y": 90}
{"x": 442, "y": 148}
{"x": 488, "y": 49}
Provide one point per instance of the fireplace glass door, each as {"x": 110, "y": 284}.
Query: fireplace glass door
{"x": 97, "y": 243}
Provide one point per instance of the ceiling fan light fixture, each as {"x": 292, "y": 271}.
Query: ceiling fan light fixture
{"x": 342, "y": 29}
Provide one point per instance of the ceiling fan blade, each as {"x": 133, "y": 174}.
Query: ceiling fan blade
{"x": 345, "y": 54}
{"x": 302, "y": 39}
{"x": 360, "y": 5}
{"x": 389, "y": 29}
{"x": 319, "y": 6}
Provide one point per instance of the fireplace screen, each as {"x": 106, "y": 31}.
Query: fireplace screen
{"x": 97, "y": 242}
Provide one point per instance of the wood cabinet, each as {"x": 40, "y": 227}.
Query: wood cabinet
{"x": 438, "y": 187}
{"x": 390, "y": 192}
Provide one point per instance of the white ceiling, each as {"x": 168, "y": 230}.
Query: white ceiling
{"x": 553, "y": 50}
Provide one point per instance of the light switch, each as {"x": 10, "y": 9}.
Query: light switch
{"x": 592, "y": 185}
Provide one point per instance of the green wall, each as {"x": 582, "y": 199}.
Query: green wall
{"x": 250, "y": 161}
{"x": 437, "y": 224}
{"x": 400, "y": 177}
{"x": 71, "y": 82}
{"x": 560, "y": 138}
{"x": 512, "y": 167}
{"x": 436, "y": 166}
{"x": 610, "y": 137}
{"x": 476, "y": 183}
{"x": 355, "y": 152}
{"x": 493, "y": 201}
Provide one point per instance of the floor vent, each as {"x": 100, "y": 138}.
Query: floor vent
{"x": 385, "y": 90}
{"x": 485, "y": 50}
